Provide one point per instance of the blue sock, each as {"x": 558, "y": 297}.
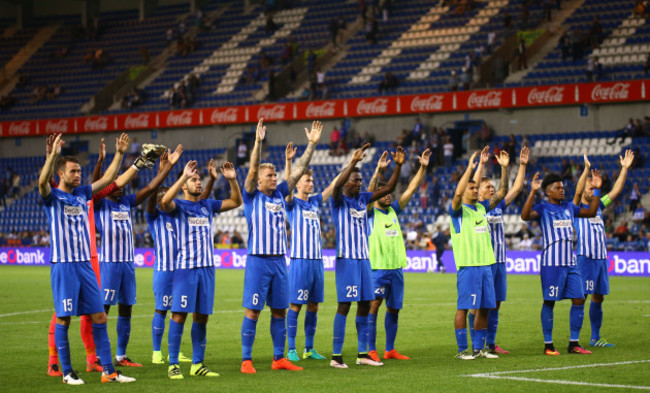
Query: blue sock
{"x": 123, "y": 334}
{"x": 471, "y": 318}
{"x": 103, "y": 347}
{"x": 390, "y": 324}
{"x": 157, "y": 330}
{"x": 311, "y": 318}
{"x": 461, "y": 339}
{"x": 174, "y": 336}
{"x": 362, "y": 334}
{"x": 292, "y": 328}
{"x": 480, "y": 339}
{"x": 248, "y": 328}
{"x": 576, "y": 316}
{"x": 339, "y": 333}
{"x": 63, "y": 347}
{"x": 547, "y": 323}
{"x": 198, "y": 342}
{"x": 596, "y": 318}
{"x": 372, "y": 332}
{"x": 278, "y": 335}
{"x": 493, "y": 323}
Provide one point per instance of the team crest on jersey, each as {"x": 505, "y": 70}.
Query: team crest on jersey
{"x": 204, "y": 211}
{"x": 123, "y": 207}
{"x": 567, "y": 212}
{"x": 277, "y": 200}
{"x": 394, "y": 220}
{"x": 81, "y": 199}
{"x": 169, "y": 226}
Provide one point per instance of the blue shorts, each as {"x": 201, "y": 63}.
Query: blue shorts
{"x": 353, "y": 280}
{"x": 306, "y": 281}
{"x": 475, "y": 286}
{"x": 75, "y": 289}
{"x": 266, "y": 281}
{"x": 595, "y": 275}
{"x": 118, "y": 282}
{"x": 561, "y": 282}
{"x": 162, "y": 289}
{"x": 193, "y": 290}
{"x": 500, "y": 281}
{"x": 389, "y": 285}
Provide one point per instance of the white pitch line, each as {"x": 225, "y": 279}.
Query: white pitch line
{"x": 562, "y": 382}
{"x": 556, "y": 368}
{"x": 25, "y": 312}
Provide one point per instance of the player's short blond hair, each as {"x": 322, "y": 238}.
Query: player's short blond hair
{"x": 267, "y": 165}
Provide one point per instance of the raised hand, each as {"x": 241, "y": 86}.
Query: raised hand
{"x": 596, "y": 180}
{"x": 313, "y": 136}
{"x": 399, "y": 156}
{"x": 212, "y": 169}
{"x": 471, "y": 163}
{"x": 628, "y": 160}
{"x": 260, "y": 132}
{"x": 424, "y": 158}
{"x": 523, "y": 155}
{"x": 173, "y": 157}
{"x": 55, "y": 147}
{"x": 164, "y": 162}
{"x": 122, "y": 143}
{"x": 190, "y": 169}
{"x": 359, "y": 154}
{"x": 102, "y": 149}
{"x": 290, "y": 151}
{"x": 503, "y": 158}
{"x": 228, "y": 171}
{"x": 49, "y": 142}
{"x": 587, "y": 163}
{"x": 536, "y": 183}
{"x": 485, "y": 155}
{"x": 383, "y": 161}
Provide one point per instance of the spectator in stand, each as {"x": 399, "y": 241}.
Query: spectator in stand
{"x": 635, "y": 197}
{"x": 485, "y": 135}
{"x": 646, "y": 66}
{"x": 526, "y": 244}
{"x": 627, "y": 131}
{"x": 242, "y": 152}
{"x": 335, "y": 137}
{"x": 334, "y": 30}
{"x": 448, "y": 148}
{"x": 465, "y": 78}
{"x": 4, "y": 189}
{"x": 371, "y": 29}
{"x": 564, "y": 46}
{"x": 15, "y": 185}
{"x": 435, "y": 191}
{"x": 320, "y": 83}
{"x": 576, "y": 44}
{"x": 440, "y": 239}
{"x": 453, "y": 81}
{"x": 169, "y": 37}
{"x": 418, "y": 129}
{"x": 591, "y": 68}
{"x": 639, "y": 9}
{"x": 7, "y": 101}
{"x": 595, "y": 33}
{"x": 390, "y": 82}
{"x": 510, "y": 146}
{"x": 521, "y": 54}
{"x": 237, "y": 238}
{"x": 538, "y": 242}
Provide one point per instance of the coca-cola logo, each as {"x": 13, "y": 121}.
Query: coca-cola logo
{"x": 374, "y": 107}
{"x": 97, "y": 124}
{"x": 56, "y": 126}
{"x": 137, "y": 121}
{"x": 275, "y": 112}
{"x": 430, "y": 103}
{"x": 224, "y": 116}
{"x": 552, "y": 95}
{"x": 490, "y": 99}
{"x": 19, "y": 128}
{"x": 179, "y": 119}
{"x": 618, "y": 91}
{"x": 326, "y": 109}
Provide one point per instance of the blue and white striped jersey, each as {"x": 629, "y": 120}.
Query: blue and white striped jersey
{"x": 67, "y": 215}
{"x": 266, "y": 216}
{"x": 163, "y": 229}
{"x": 113, "y": 223}
{"x": 556, "y": 222}
{"x": 194, "y": 237}
{"x": 497, "y": 231}
{"x": 591, "y": 233}
{"x": 351, "y": 223}
{"x": 304, "y": 217}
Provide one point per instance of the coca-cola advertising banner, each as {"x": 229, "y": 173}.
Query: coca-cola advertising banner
{"x": 462, "y": 101}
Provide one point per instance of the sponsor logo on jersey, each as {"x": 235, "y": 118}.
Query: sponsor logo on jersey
{"x": 273, "y": 207}
{"x": 310, "y": 215}
{"x": 495, "y": 219}
{"x": 596, "y": 220}
{"x": 481, "y": 229}
{"x": 391, "y": 232}
{"x": 357, "y": 213}
{"x": 562, "y": 224}
{"x": 120, "y": 216}
{"x": 198, "y": 221}
{"x": 73, "y": 210}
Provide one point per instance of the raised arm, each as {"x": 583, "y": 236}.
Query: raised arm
{"x": 167, "y": 202}
{"x": 416, "y": 181}
{"x": 485, "y": 158}
{"x": 527, "y": 212}
{"x": 357, "y": 156}
{"x": 256, "y": 156}
{"x": 521, "y": 176}
{"x": 212, "y": 171}
{"x": 580, "y": 187}
{"x": 626, "y": 164}
{"x": 229, "y": 173}
{"x": 313, "y": 137}
{"x": 596, "y": 182}
{"x": 504, "y": 160}
{"x": 167, "y": 162}
{"x": 462, "y": 183}
{"x": 121, "y": 145}
{"x": 381, "y": 165}
{"x": 48, "y": 168}
{"x": 398, "y": 157}
{"x": 97, "y": 172}
{"x": 289, "y": 154}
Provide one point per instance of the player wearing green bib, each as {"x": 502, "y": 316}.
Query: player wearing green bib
{"x": 388, "y": 257}
{"x": 473, "y": 254}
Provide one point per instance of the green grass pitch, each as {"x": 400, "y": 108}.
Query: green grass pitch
{"x": 426, "y": 334}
